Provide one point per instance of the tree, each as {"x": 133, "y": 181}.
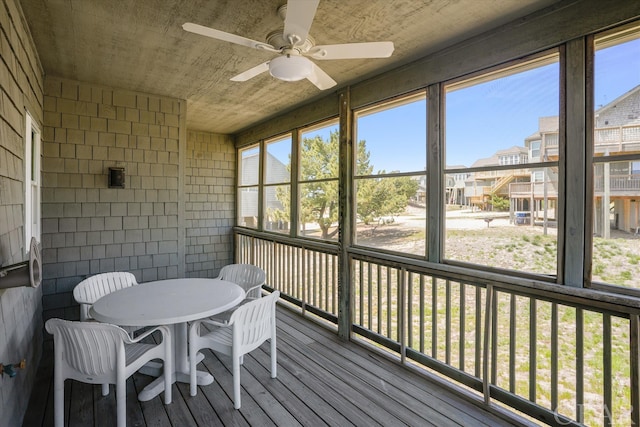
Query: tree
{"x": 319, "y": 194}
{"x": 383, "y": 197}
{"x": 319, "y": 166}
{"x": 499, "y": 203}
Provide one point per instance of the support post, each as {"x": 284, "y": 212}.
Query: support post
{"x": 345, "y": 224}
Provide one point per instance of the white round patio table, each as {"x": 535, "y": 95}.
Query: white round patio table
{"x": 172, "y": 302}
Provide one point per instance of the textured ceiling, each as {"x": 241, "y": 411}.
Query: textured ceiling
{"x": 140, "y": 45}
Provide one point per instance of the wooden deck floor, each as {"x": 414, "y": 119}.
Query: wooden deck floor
{"x": 321, "y": 381}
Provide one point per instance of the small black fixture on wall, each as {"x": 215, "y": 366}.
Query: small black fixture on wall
{"x": 116, "y": 177}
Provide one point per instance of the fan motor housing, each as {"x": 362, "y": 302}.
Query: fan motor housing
{"x": 277, "y": 40}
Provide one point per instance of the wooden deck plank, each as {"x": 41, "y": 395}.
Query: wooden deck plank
{"x": 81, "y": 404}
{"x": 321, "y": 381}
{"x": 359, "y": 359}
{"x": 221, "y": 399}
{"x": 252, "y": 389}
{"x": 178, "y": 411}
{"x": 42, "y": 388}
{"x": 354, "y": 414}
{"x": 153, "y": 410}
{"x": 292, "y": 378}
{"x": 348, "y": 387}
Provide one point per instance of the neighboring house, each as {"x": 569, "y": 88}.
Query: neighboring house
{"x": 455, "y": 186}
{"x": 616, "y": 183}
{"x": 480, "y": 186}
{"x": 248, "y": 207}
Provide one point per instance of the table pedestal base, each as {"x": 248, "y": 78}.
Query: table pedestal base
{"x": 157, "y": 386}
{"x": 181, "y": 366}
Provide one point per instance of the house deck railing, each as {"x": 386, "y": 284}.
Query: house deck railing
{"x": 618, "y": 139}
{"x": 561, "y": 355}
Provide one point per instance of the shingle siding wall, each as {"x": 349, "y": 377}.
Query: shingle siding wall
{"x": 89, "y": 228}
{"x": 210, "y": 203}
{"x": 21, "y": 81}
{"x": 144, "y": 228}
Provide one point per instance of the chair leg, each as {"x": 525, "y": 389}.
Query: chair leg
{"x": 168, "y": 368}
{"x": 274, "y": 357}
{"x": 58, "y": 400}
{"x": 236, "y": 382}
{"x": 121, "y": 402}
{"x": 105, "y": 389}
{"x": 193, "y": 356}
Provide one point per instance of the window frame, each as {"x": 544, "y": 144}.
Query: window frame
{"x": 385, "y": 105}
{"x": 299, "y": 182}
{"x": 32, "y": 181}
{"x": 527, "y": 63}
{"x": 598, "y": 41}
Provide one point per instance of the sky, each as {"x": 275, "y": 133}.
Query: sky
{"x": 484, "y": 118}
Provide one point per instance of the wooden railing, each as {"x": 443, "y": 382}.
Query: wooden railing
{"x": 561, "y": 355}
{"x": 305, "y": 272}
{"x": 535, "y": 189}
{"x": 619, "y": 183}
{"x": 620, "y": 139}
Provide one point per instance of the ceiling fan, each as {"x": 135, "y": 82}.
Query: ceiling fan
{"x": 295, "y": 47}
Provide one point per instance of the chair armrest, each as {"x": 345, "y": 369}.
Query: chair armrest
{"x": 164, "y": 330}
{"x": 258, "y": 288}
{"x": 81, "y": 300}
{"x": 210, "y": 322}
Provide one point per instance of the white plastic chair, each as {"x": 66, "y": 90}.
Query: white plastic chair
{"x": 249, "y": 277}
{"x": 95, "y": 287}
{"x": 250, "y": 325}
{"x": 100, "y": 353}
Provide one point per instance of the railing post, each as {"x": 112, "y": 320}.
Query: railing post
{"x": 345, "y": 214}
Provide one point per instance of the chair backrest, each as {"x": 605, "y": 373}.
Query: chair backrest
{"x": 254, "y": 322}
{"x": 248, "y": 277}
{"x": 95, "y": 287}
{"x": 87, "y": 350}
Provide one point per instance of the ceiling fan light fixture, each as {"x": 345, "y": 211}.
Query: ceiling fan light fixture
{"x": 290, "y": 68}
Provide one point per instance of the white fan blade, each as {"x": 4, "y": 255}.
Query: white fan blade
{"x": 321, "y": 79}
{"x": 299, "y": 17}
{"x": 352, "y": 50}
{"x": 251, "y": 72}
{"x": 227, "y": 37}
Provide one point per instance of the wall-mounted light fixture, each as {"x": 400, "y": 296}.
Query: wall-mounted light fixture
{"x": 116, "y": 177}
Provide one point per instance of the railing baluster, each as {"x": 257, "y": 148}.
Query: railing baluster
{"x": 422, "y": 313}
{"x": 554, "y": 356}
{"x": 493, "y": 333}
{"x": 379, "y": 302}
{"x": 533, "y": 348}
{"x": 447, "y": 324}
{"x": 478, "y": 341}
{"x": 579, "y": 365}
{"x": 314, "y": 279}
{"x": 434, "y": 317}
{"x": 488, "y": 321}
{"x": 634, "y": 344}
{"x": 512, "y": 343}
{"x": 389, "y": 303}
{"x": 409, "y": 307}
{"x": 606, "y": 370}
{"x": 402, "y": 293}
{"x": 325, "y": 286}
{"x": 359, "y": 266}
{"x": 370, "y": 294}
{"x": 462, "y": 326}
